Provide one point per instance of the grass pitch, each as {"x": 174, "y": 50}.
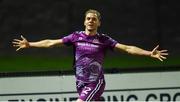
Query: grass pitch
{"x": 49, "y": 63}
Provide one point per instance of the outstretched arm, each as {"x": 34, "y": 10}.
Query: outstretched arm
{"x": 24, "y": 43}
{"x": 155, "y": 53}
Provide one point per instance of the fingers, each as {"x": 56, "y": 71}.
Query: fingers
{"x": 23, "y": 37}
{"x": 17, "y": 43}
{"x": 18, "y": 49}
{"x": 163, "y": 51}
{"x": 17, "y": 40}
{"x": 163, "y": 57}
{"x": 155, "y": 48}
{"x": 160, "y": 54}
{"x": 160, "y": 59}
{"x": 164, "y": 54}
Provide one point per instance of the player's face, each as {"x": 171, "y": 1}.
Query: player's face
{"x": 91, "y": 22}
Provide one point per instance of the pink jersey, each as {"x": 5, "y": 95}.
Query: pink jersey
{"x": 89, "y": 54}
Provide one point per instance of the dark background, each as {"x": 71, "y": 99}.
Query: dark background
{"x": 143, "y": 23}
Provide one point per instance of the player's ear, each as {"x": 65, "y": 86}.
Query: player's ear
{"x": 84, "y": 23}
{"x": 99, "y": 24}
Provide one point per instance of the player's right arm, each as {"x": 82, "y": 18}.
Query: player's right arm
{"x": 24, "y": 43}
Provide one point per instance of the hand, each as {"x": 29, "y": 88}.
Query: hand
{"x": 155, "y": 53}
{"x": 21, "y": 44}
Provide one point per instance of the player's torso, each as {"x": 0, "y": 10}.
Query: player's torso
{"x": 89, "y": 55}
{"x": 89, "y": 44}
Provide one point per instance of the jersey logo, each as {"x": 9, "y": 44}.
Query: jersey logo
{"x": 80, "y": 38}
{"x": 95, "y": 41}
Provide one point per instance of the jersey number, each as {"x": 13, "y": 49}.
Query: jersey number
{"x": 86, "y": 90}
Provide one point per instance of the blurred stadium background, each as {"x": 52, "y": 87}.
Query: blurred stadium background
{"x": 143, "y": 23}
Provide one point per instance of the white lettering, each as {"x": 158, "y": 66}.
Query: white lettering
{"x": 87, "y": 44}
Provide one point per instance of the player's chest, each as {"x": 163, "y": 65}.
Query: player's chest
{"x": 91, "y": 45}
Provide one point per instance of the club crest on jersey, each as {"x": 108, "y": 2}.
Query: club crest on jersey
{"x": 95, "y": 41}
{"x": 80, "y": 38}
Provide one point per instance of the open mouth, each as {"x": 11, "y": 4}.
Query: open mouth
{"x": 90, "y": 25}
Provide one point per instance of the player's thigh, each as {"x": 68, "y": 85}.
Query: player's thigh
{"x": 93, "y": 91}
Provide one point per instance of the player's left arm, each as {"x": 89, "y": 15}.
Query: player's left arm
{"x": 155, "y": 53}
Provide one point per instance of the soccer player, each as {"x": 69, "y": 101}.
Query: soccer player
{"x": 90, "y": 48}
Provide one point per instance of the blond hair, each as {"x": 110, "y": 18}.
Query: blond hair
{"x": 95, "y": 12}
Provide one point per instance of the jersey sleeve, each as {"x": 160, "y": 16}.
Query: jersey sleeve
{"x": 68, "y": 40}
{"x": 110, "y": 43}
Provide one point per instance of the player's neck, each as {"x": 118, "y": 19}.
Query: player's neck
{"x": 90, "y": 33}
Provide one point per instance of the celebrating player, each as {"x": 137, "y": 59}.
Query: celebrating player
{"x": 90, "y": 48}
